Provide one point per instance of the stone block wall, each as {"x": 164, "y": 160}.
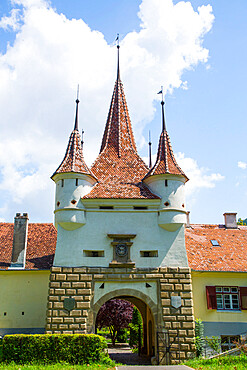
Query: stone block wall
{"x": 78, "y": 283}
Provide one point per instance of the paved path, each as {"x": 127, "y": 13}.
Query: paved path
{"x": 122, "y": 354}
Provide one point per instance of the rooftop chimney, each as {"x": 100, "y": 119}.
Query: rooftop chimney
{"x": 19, "y": 249}
{"x": 187, "y": 219}
{"x": 230, "y": 220}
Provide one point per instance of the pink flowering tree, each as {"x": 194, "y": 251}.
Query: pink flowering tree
{"x": 115, "y": 314}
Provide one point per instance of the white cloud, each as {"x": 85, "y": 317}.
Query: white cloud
{"x": 199, "y": 177}
{"x": 11, "y": 22}
{"x": 52, "y": 54}
{"x": 242, "y": 165}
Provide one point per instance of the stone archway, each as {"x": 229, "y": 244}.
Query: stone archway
{"x": 146, "y": 307}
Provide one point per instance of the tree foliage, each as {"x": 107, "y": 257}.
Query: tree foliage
{"x": 136, "y": 325}
{"x": 115, "y": 315}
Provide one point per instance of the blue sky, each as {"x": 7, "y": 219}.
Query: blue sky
{"x": 205, "y": 104}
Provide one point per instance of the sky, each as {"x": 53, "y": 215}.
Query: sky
{"x": 195, "y": 49}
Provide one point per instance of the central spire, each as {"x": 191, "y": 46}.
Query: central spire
{"x": 118, "y": 135}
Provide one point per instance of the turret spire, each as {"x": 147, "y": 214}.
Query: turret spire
{"x": 165, "y": 161}
{"x": 118, "y": 47}
{"x": 150, "y": 150}
{"x": 162, "y": 110}
{"x": 73, "y": 160}
{"x": 76, "y": 112}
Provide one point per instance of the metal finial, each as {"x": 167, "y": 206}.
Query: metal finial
{"x": 76, "y": 113}
{"x": 82, "y": 141}
{"x": 163, "y": 112}
{"x": 118, "y": 47}
{"x": 150, "y": 150}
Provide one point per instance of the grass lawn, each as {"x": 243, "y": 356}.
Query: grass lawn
{"x": 223, "y": 363}
{"x": 56, "y": 367}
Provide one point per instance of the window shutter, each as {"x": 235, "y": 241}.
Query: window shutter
{"x": 243, "y": 297}
{"x": 211, "y": 297}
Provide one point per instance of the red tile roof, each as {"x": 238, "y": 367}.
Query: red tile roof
{"x": 165, "y": 161}
{"x": 73, "y": 160}
{"x": 41, "y": 244}
{"x": 202, "y": 256}
{"x": 229, "y": 256}
{"x": 118, "y": 168}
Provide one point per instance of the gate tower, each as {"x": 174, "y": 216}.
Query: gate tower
{"x": 120, "y": 234}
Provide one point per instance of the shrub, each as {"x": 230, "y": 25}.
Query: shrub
{"x": 122, "y": 335}
{"x": 134, "y": 328}
{"x": 199, "y": 331}
{"x": 46, "y": 348}
{"x": 214, "y": 343}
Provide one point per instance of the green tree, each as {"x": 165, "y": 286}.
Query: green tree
{"x": 134, "y": 326}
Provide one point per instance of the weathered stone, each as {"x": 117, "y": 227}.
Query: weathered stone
{"x": 167, "y": 287}
{"x": 164, "y": 294}
{"x": 82, "y": 304}
{"x": 61, "y": 277}
{"x": 66, "y": 284}
{"x": 187, "y": 311}
{"x": 67, "y": 269}
{"x": 53, "y": 298}
{"x": 57, "y": 320}
{"x": 187, "y": 287}
{"x": 73, "y": 277}
{"x": 166, "y": 310}
{"x": 58, "y": 304}
{"x": 188, "y": 325}
{"x": 59, "y": 291}
{"x": 80, "y": 270}
{"x": 69, "y": 320}
{"x": 70, "y": 291}
{"x": 173, "y": 281}
{"x": 165, "y": 302}
{"x": 184, "y": 269}
{"x": 178, "y": 286}
{"x": 56, "y": 269}
{"x": 85, "y": 277}
{"x": 84, "y": 291}
{"x": 75, "y": 313}
{"x": 63, "y": 326}
{"x": 80, "y": 320}
{"x": 54, "y": 284}
{"x": 74, "y": 326}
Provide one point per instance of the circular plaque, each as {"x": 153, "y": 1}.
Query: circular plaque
{"x": 121, "y": 250}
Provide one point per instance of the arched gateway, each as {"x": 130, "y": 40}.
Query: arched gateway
{"x": 121, "y": 234}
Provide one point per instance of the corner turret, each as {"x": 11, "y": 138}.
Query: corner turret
{"x": 73, "y": 181}
{"x": 166, "y": 179}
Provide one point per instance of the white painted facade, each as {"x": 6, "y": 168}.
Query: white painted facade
{"x": 85, "y": 226}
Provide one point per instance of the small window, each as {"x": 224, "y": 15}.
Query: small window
{"x": 166, "y": 182}
{"x": 76, "y": 182}
{"x": 148, "y": 254}
{"x": 5, "y": 314}
{"x": 62, "y": 183}
{"x": 229, "y": 341}
{"x": 215, "y": 243}
{"x": 22, "y": 313}
{"x": 139, "y": 207}
{"x": 106, "y": 207}
{"x": 229, "y": 298}
{"x": 87, "y": 253}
